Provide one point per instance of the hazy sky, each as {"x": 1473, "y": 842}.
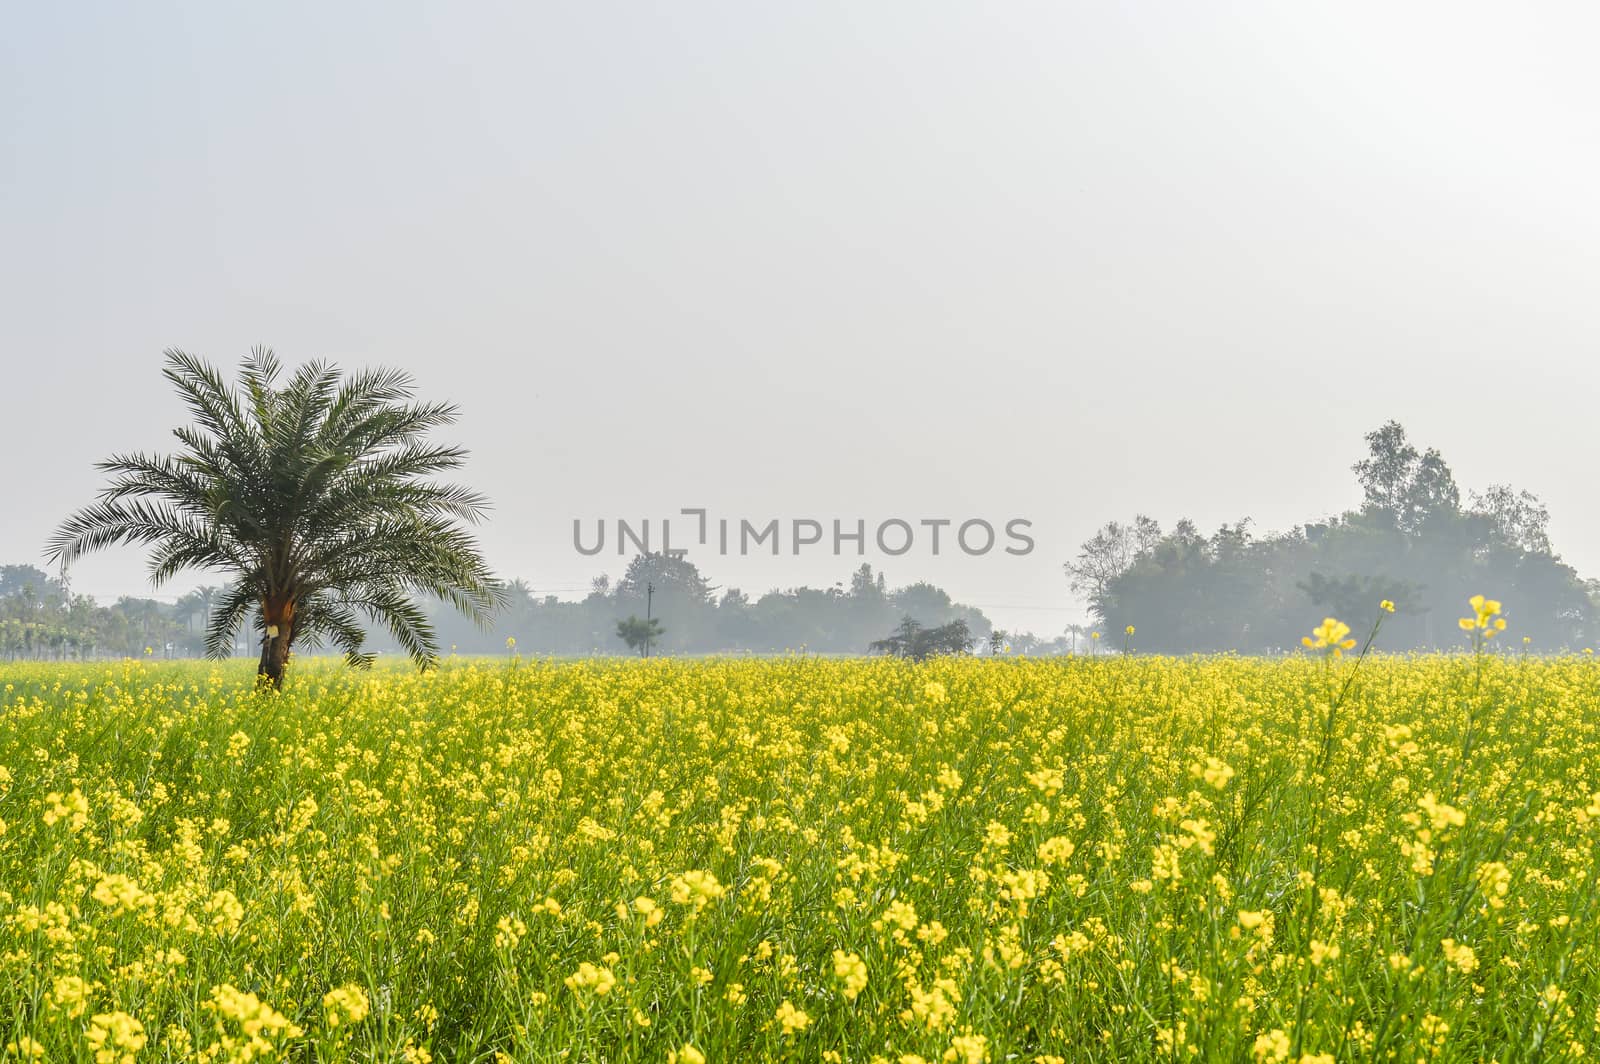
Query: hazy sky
{"x": 1054, "y": 261}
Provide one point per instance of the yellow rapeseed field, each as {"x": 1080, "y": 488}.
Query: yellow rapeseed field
{"x": 962, "y": 861}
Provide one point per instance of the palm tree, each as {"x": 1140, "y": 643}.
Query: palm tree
{"x": 205, "y": 597}
{"x": 1075, "y": 630}
{"x": 185, "y": 609}
{"x": 314, "y": 494}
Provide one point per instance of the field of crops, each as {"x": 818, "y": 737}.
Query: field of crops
{"x": 966, "y": 860}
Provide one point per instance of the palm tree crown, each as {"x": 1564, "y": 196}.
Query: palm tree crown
{"x": 315, "y": 494}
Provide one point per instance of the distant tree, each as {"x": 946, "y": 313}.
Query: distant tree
{"x": 952, "y": 638}
{"x": 997, "y": 641}
{"x": 1072, "y": 632}
{"x": 1109, "y": 553}
{"x": 672, "y": 575}
{"x": 1517, "y": 516}
{"x": 315, "y": 494}
{"x": 864, "y": 586}
{"x": 902, "y": 642}
{"x": 682, "y": 595}
{"x": 1355, "y": 595}
{"x": 185, "y": 610}
{"x": 911, "y": 640}
{"x": 922, "y": 599}
{"x": 16, "y": 579}
{"x": 639, "y": 634}
{"x": 207, "y": 596}
{"x": 1385, "y": 474}
{"x": 519, "y": 595}
{"x": 1402, "y": 487}
{"x": 1433, "y": 495}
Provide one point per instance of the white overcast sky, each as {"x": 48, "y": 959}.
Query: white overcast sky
{"x": 1059, "y": 261}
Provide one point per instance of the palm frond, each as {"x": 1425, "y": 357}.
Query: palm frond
{"x": 228, "y": 613}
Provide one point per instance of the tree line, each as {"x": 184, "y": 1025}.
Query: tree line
{"x": 41, "y": 619}
{"x": 1414, "y": 541}
{"x": 695, "y": 616}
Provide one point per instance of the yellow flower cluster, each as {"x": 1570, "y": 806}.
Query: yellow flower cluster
{"x": 345, "y": 1006}
{"x": 1330, "y": 635}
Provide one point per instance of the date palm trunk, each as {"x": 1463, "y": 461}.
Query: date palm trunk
{"x": 279, "y": 618}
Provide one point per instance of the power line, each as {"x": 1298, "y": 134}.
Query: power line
{"x": 1001, "y": 606}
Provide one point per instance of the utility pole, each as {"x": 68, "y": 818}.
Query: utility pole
{"x": 649, "y": 597}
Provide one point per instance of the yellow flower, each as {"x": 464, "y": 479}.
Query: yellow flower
{"x": 508, "y": 932}
{"x": 257, "y": 1021}
{"x": 1271, "y": 1047}
{"x": 1056, "y": 850}
{"x": 1330, "y": 635}
{"x": 120, "y": 894}
{"x": 70, "y": 994}
{"x": 685, "y": 1054}
{"x": 696, "y": 888}
{"x": 850, "y": 970}
{"x": 1494, "y": 880}
{"x": 1460, "y": 955}
{"x": 647, "y": 908}
{"x": 967, "y": 1048}
{"x": 1128, "y": 630}
{"x": 1386, "y": 606}
{"x": 345, "y": 1005}
{"x": 115, "y": 1037}
{"x": 1215, "y": 772}
{"x": 1483, "y": 611}
{"x": 1440, "y": 815}
{"x": 26, "y": 1048}
{"x": 72, "y": 807}
{"x": 591, "y": 977}
{"x": 791, "y": 1019}
{"x": 226, "y": 912}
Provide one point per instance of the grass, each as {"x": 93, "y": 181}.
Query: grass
{"x": 966, "y": 860}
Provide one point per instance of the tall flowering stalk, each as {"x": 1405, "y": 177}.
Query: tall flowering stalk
{"x": 1332, "y": 638}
